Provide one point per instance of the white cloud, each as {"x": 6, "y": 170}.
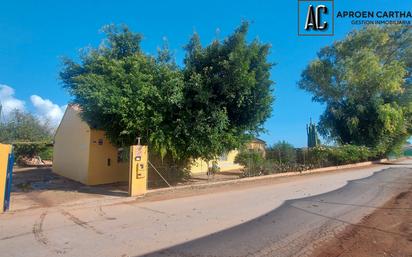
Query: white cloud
{"x": 44, "y": 109}
{"x": 47, "y": 111}
{"x": 8, "y": 101}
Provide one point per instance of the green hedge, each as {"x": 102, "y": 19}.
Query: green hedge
{"x": 339, "y": 155}
{"x": 305, "y": 159}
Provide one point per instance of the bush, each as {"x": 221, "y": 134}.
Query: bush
{"x": 282, "y": 152}
{"x": 47, "y": 153}
{"x": 319, "y": 156}
{"x": 302, "y": 159}
{"x": 32, "y": 149}
{"x": 271, "y": 167}
{"x": 253, "y": 162}
{"x": 346, "y": 154}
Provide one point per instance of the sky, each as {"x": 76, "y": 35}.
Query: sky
{"x": 35, "y": 35}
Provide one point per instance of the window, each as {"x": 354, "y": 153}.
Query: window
{"x": 123, "y": 154}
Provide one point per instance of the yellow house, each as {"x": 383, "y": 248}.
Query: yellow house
{"x": 85, "y": 155}
{"x": 225, "y": 162}
{"x": 257, "y": 144}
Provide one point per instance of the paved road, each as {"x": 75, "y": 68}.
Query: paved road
{"x": 254, "y": 221}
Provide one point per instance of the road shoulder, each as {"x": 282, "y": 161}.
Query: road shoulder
{"x": 385, "y": 232}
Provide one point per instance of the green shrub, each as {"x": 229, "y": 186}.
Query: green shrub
{"x": 271, "y": 167}
{"x": 282, "y": 157}
{"x": 323, "y": 156}
{"x": 47, "y": 153}
{"x": 319, "y": 156}
{"x": 282, "y": 152}
{"x": 32, "y": 149}
{"x": 347, "y": 154}
{"x": 253, "y": 162}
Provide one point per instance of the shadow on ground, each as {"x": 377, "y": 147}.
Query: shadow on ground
{"x": 291, "y": 228}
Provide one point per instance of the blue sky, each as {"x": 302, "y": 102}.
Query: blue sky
{"x": 35, "y": 34}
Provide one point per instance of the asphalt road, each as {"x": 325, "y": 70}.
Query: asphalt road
{"x": 288, "y": 218}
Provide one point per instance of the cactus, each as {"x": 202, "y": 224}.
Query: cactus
{"x": 313, "y": 139}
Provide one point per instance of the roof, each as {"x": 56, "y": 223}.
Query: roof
{"x": 258, "y": 140}
{"x": 75, "y": 107}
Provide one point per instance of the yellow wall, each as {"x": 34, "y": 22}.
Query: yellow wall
{"x": 257, "y": 145}
{"x": 99, "y": 170}
{"x": 78, "y": 155}
{"x": 71, "y": 147}
{"x": 200, "y": 166}
{"x": 4, "y": 156}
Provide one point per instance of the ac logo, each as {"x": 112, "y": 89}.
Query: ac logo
{"x": 315, "y": 18}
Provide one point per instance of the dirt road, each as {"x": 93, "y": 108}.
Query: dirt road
{"x": 385, "y": 232}
{"x": 236, "y": 220}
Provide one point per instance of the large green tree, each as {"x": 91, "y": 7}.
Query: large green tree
{"x": 23, "y": 127}
{"x": 365, "y": 82}
{"x": 227, "y": 92}
{"x": 220, "y": 97}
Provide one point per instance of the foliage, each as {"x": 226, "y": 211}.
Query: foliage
{"x": 365, "y": 82}
{"x": 214, "y": 103}
{"x": 281, "y": 152}
{"x": 27, "y": 134}
{"x": 213, "y": 169}
{"x": 271, "y": 167}
{"x": 23, "y": 127}
{"x": 304, "y": 158}
{"x": 174, "y": 171}
{"x": 32, "y": 149}
{"x": 46, "y": 153}
{"x": 227, "y": 92}
{"x": 340, "y": 155}
{"x": 252, "y": 160}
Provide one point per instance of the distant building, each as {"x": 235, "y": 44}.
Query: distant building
{"x": 86, "y": 155}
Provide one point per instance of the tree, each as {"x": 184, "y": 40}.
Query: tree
{"x": 29, "y": 136}
{"x": 227, "y": 92}
{"x": 23, "y": 127}
{"x": 214, "y": 103}
{"x": 365, "y": 81}
{"x": 282, "y": 152}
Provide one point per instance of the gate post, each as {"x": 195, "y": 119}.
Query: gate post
{"x": 138, "y": 170}
{"x": 6, "y": 166}
{"x": 9, "y": 178}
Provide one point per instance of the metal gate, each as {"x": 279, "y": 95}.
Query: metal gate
{"x": 9, "y": 177}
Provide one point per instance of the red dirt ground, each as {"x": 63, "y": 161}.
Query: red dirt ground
{"x": 385, "y": 232}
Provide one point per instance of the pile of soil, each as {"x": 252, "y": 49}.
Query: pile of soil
{"x": 385, "y": 232}
{"x": 33, "y": 162}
